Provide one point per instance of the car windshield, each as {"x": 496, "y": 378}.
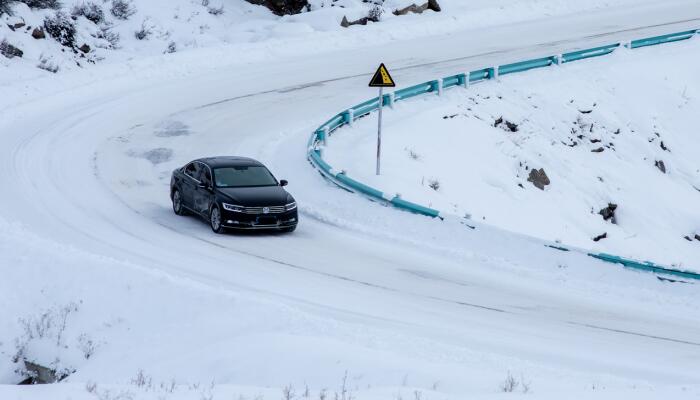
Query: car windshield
{"x": 242, "y": 176}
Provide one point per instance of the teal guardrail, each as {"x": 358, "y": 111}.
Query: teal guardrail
{"x": 588, "y": 53}
{"x": 526, "y": 65}
{"x": 645, "y": 266}
{"x": 673, "y": 37}
{"x": 341, "y": 179}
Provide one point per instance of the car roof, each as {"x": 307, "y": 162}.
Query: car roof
{"x": 229, "y": 161}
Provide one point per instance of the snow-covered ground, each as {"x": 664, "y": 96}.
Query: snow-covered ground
{"x": 406, "y": 306}
{"x": 620, "y": 130}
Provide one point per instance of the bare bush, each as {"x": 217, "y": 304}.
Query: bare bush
{"x": 145, "y": 31}
{"x": 510, "y": 384}
{"x": 142, "y": 380}
{"x": 375, "y": 13}
{"x": 6, "y": 7}
{"x": 434, "y": 184}
{"x": 112, "y": 38}
{"x": 92, "y": 11}
{"x": 122, "y": 9}
{"x": 61, "y": 28}
{"x": 86, "y": 345}
{"x": 42, "y": 4}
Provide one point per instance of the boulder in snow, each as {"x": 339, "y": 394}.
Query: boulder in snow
{"x": 38, "y": 33}
{"x": 608, "y": 213}
{"x": 538, "y": 178}
{"x": 282, "y": 7}
{"x": 10, "y": 51}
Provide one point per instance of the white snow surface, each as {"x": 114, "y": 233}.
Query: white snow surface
{"x": 600, "y": 129}
{"x": 406, "y": 306}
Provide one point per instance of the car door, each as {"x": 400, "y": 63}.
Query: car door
{"x": 189, "y": 184}
{"x": 203, "y": 192}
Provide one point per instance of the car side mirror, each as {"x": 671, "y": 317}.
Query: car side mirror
{"x": 284, "y": 182}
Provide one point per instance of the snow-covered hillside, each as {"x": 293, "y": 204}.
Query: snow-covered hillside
{"x": 620, "y": 130}
{"x": 126, "y": 30}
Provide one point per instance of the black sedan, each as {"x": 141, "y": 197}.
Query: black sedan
{"x": 233, "y": 192}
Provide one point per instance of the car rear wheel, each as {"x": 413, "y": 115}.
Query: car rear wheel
{"x": 215, "y": 220}
{"x": 178, "y": 208}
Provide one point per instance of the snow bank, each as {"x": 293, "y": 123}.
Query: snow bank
{"x": 619, "y": 130}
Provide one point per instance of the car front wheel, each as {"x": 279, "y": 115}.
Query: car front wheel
{"x": 178, "y": 208}
{"x": 215, "y": 220}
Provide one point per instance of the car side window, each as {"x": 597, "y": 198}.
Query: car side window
{"x": 205, "y": 176}
{"x": 192, "y": 170}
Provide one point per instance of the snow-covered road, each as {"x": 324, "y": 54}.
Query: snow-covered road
{"x": 385, "y": 293}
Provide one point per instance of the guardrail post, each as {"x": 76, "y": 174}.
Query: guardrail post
{"x": 494, "y": 72}
{"x": 627, "y": 44}
{"x": 392, "y": 99}
{"x": 350, "y": 116}
{"x": 324, "y": 135}
{"x": 467, "y": 80}
{"x": 560, "y": 59}
{"x": 439, "y": 86}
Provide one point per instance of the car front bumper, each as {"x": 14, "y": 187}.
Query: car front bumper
{"x": 234, "y": 220}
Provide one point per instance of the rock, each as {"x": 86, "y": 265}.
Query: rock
{"x": 600, "y": 237}
{"x": 10, "y": 51}
{"x": 598, "y": 150}
{"x": 416, "y": 9}
{"x": 362, "y": 21}
{"x": 38, "y": 33}
{"x": 697, "y": 237}
{"x": 660, "y": 165}
{"x": 84, "y": 48}
{"x": 538, "y": 178}
{"x": 282, "y": 7}
{"x": 608, "y": 213}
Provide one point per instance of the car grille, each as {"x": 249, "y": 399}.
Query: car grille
{"x": 259, "y": 210}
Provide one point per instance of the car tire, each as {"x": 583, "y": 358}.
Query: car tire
{"x": 178, "y": 208}
{"x": 289, "y": 230}
{"x": 215, "y": 220}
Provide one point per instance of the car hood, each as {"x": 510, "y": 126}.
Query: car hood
{"x": 257, "y": 196}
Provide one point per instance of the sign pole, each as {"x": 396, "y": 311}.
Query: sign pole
{"x": 381, "y": 79}
{"x": 379, "y": 129}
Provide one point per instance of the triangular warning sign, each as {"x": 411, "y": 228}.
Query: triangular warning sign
{"x": 382, "y": 78}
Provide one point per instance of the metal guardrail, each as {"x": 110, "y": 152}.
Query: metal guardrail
{"x": 340, "y": 178}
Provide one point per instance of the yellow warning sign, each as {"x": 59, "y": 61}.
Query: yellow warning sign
{"x": 382, "y": 78}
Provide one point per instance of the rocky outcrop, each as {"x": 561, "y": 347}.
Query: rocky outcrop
{"x": 608, "y": 213}
{"x": 416, "y": 9}
{"x": 10, "y": 51}
{"x": 282, "y": 7}
{"x": 538, "y": 178}
{"x": 38, "y": 33}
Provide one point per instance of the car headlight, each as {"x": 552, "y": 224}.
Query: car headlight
{"x": 290, "y": 206}
{"x": 233, "y": 207}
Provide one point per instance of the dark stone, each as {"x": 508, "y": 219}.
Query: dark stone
{"x": 600, "y": 237}
{"x": 496, "y": 122}
{"x": 688, "y": 238}
{"x": 416, "y": 9}
{"x": 538, "y": 178}
{"x": 84, "y": 48}
{"x": 10, "y": 51}
{"x": 608, "y": 213}
{"x": 663, "y": 147}
{"x": 38, "y": 33}
{"x": 598, "y": 150}
{"x": 660, "y": 165}
{"x": 282, "y": 7}
{"x": 697, "y": 237}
